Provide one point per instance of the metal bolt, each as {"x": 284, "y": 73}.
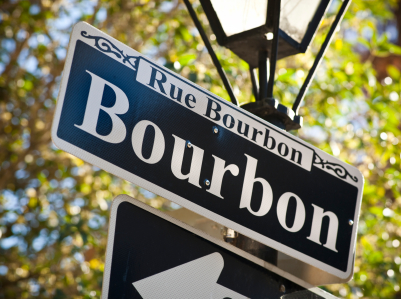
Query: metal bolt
{"x": 189, "y": 144}
{"x": 207, "y": 183}
{"x": 350, "y": 222}
{"x": 215, "y": 130}
{"x": 282, "y": 288}
{"x": 230, "y": 233}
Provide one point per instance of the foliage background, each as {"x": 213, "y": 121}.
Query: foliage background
{"x": 54, "y": 207}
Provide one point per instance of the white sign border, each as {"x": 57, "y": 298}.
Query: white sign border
{"x": 121, "y": 173}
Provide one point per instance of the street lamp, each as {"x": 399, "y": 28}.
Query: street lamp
{"x": 261, "y": 32}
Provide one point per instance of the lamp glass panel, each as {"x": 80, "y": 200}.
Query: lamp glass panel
{"x": 236, "y": 16}
{"x": 296, "y": 15}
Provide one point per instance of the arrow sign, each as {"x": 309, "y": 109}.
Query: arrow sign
{"x": 151, "y": 255}
{"x": 195, "y": 279}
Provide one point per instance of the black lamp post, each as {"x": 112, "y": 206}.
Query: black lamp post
{"x": 261, "y": 32}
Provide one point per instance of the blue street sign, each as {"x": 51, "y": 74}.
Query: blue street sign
{"x": 142, "y": 122}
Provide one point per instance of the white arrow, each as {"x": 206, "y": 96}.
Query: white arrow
{"x": 193, "y": 280}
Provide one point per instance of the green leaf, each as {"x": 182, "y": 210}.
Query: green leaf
{"x": 186, "y": 59}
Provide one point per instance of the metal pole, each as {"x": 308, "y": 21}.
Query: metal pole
{"x": 209, "y": 48}
{"x": 255, "y": 88}
{"x": 266, "y": 83}
{"x": 263, "y": 74}
{"x": 257, "y": 249}
{"x": 274, "y": 49}
{"x": 320, "y": 56}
